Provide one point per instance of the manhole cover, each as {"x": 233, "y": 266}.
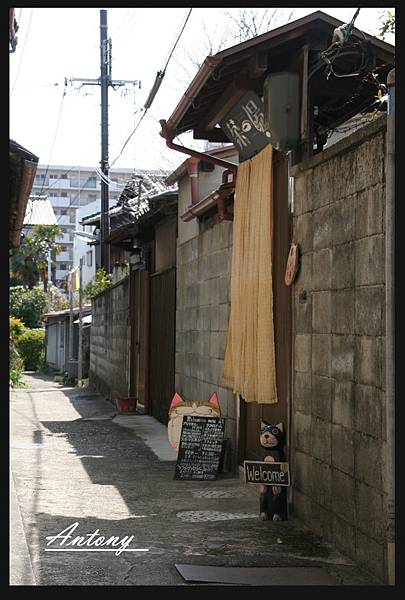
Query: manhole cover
{"x": 194, "y": 516}
{"x": 215, "y": 494}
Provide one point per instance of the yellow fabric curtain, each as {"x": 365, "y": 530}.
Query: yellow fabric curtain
{"x": 249, "y": 366}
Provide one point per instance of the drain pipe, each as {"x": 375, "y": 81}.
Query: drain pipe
{"x": 168, "y": 134}
{"x": 192, "y": 166}
{"x": 390, "y": 325}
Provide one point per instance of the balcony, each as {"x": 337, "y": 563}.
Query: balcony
{"x": 64, "y": 239}
{"x": 59, "y": 201}
{"x": 58, "y": 184}
{"x": 63, "y": 257}
{"x": 64, "y": 220}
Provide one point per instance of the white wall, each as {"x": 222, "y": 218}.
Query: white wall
{"x": 81, "y": 246}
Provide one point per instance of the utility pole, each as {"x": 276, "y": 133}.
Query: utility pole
{"x": 80, "y": 350}
{"x": 104, "y": 81}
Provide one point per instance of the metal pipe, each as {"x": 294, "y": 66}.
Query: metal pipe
{"x": 192, "y": 165}
{"x": 169, "y": 134}
{"x": 80, "y": 350}
{"x": 390, "y": 325}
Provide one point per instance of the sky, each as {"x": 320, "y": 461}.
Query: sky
{"x": 61, "y": 124}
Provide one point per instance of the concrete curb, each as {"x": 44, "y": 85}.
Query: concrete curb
{"x": 21, "y": 571}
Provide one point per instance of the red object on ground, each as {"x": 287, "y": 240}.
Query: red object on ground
{"x": 126, "y": 405}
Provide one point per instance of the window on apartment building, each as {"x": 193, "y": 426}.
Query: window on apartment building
{"x": 63, "y": 194}
{"x": 89, "y": 258}
{"x": 91, "y": 182}
{"x": 52, "y": 195}
{"x": 53, "y": 176}
{"x": 64, "y": 176}
{"x": 92, "y": 196}
{"x": 64, "y": 211}
{"x": 62, "y": 267}
{"x": 64, "y": 248}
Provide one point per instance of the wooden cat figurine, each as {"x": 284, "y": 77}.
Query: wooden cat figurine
{"x": 179, "y": 408}
{"x": 273, "y": 498}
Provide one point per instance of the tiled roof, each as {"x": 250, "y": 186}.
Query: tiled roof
{"x": 39, "y": 212}
{"x": 132, "y": 205}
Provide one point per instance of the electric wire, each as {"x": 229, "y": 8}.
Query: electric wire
{"x": 22, "y": 54}
{"x": 155, "y": 88}
{"x": 56, "y": 133}
{"x": 178, "y": 38}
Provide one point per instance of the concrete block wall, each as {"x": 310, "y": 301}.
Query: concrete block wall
{"x": 338, "y": 346}
{"x": 110, "y": 341}
{"x": 203, "y": 304}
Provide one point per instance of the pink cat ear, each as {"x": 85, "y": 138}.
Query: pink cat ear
{"x": 214, "y": 400}
{"x": 177, "y": 399}
{"x": 280, "y": 426}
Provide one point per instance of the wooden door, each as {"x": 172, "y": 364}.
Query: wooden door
{"x": 251, "y": 413}
{"x": 139, "y": 318}
{"x": 162, "y": 342}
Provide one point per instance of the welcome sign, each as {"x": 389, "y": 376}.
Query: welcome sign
{"x": 269, "y": 473}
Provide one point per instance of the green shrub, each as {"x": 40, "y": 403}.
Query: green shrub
{"x": 98, "y": 284}
{"x": 17, "y": 328}
{"x": 31, "y": 346}
{"x": 16, "y": 366}
{"x": 28, "y": 305}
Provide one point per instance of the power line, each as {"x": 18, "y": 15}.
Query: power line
{"x": 56, "y": 132}
{"x": 129, "y": 137}
{"x": 155, "y": 88}
{"x": 22, "y": 53}
{"x": 178, "y": 38}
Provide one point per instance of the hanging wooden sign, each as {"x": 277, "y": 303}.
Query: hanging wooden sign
{"x": 268, "y": 473}
{"x": 244, "y": 125}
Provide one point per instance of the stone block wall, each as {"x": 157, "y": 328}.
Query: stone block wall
{"x": 110, "y": 341}
{"x": 203, "y": 304}
{"x": 338, "y": 346}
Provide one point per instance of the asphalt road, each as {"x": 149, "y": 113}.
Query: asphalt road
{"x": 72, "y": 464}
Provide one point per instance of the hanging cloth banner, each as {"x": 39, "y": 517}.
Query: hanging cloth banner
{"x": 73, "y": 280}
{"x": 249, "y": 366}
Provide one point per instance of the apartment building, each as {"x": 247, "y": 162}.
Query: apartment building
{"x": 68, "y": 188}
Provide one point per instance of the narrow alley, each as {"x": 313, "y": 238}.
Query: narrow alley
{"x": 72, "y": 463}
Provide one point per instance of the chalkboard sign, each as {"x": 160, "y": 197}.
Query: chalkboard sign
{"x": 200, "y": 448}
{"x": 244, "y": 125}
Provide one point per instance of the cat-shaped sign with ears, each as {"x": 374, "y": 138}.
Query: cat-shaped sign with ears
{"x": 273, "y": 498}
{"x": 179, "y": 408}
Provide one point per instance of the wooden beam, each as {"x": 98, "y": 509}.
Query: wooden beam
{"x": 304, "y": 94}
{"x": 228, "y": 99}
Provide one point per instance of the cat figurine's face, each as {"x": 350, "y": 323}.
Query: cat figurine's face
{"x": 271, "y": 436}
{"x": 179, "y": 408}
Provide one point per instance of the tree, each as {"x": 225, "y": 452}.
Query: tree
{"x": 387, "y": 23}
{"x": 233, "y": 28}
{"x": 30, "y": 263}
{"x": 57, "y": 300}
{"x": 28, "y": 304}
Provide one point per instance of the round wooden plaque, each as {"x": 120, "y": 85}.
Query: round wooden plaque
{"x": 292, "y": 264}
